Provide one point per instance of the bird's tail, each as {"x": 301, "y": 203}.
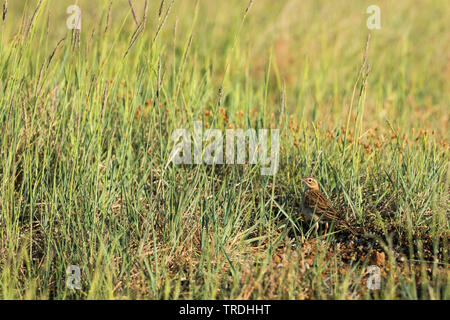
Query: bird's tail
{"x": 350, "y": 228}
{"x": 339, "y": 220}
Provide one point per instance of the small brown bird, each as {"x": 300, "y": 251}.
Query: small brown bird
{"x": 316, "y": 206}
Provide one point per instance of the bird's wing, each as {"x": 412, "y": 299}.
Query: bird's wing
{"x": 316, "y": 200}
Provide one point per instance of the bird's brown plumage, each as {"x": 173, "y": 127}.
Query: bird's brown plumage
{"x": 316, "y": 205}
{"x": 315, "y": 200}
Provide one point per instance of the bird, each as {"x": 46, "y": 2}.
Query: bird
{"x": 316, "y": 206}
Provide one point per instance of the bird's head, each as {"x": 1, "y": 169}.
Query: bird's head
{"x": 311, "y": 183}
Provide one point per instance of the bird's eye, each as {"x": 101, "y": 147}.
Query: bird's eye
{"x": 309, "y": 180}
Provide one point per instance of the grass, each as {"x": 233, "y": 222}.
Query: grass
{"x": 86, "y": 121}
